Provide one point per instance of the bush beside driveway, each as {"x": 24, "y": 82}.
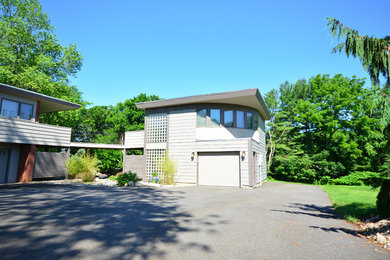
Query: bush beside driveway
{"x": 277, "y": 220}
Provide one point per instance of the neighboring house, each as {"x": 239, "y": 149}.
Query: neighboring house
{"x": 215, "y": 139}
{"x": 20, "y": 130}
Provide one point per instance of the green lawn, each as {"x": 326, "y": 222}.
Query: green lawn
{"x": 352, "y": 203}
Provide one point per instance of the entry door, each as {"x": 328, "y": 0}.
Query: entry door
{"x": 219, "y": 169}
{"x": 4, "y": 154}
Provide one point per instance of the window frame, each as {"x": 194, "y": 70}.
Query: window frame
{"x": 210, "y": 119}
{"x": 222, "y": 108}
{"x": 223, "y": 112}
{"x": 19, "y": 108}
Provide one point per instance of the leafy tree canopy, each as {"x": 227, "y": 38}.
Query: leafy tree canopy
{"x": 375, "y": 56}
{"x": 30, "y": 55}
{"x": 32, "y": 58}
{"x": 324, "y": 128}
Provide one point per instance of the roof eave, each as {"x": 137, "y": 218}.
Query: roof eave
{"x": 65, "y": 105}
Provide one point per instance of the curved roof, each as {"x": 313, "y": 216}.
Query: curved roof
{"x": 247, "y": 97}
{"x": 48, "y": 104}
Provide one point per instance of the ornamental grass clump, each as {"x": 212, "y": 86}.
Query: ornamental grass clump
{"x": 169, "y": 169}
{"x": 82, "y": 165}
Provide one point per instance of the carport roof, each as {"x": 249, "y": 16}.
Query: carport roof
{"x": 48, "y": 104}
{"x": 246, "y": 97}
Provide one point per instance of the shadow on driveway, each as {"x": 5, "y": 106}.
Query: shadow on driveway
{"x": 71, "y": 221}
{"x": 324, "y": 212}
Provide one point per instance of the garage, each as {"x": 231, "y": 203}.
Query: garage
{"x": 219, "y": 169}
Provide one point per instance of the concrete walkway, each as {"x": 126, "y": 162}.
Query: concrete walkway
{"x": 276, "y": 221}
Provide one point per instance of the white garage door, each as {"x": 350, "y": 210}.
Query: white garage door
{"x": 219, "y": 169}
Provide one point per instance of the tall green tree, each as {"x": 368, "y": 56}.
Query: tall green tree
{"x": 32, "y": 58}
{"x": 276, "y": 129}
{"x": 333, "y": 130}
{"x": 374, "y": 53}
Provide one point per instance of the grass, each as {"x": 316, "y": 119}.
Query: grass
{"x": 353, "y": 203}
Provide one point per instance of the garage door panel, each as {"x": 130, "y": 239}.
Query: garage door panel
{"x": 219, "y": 169}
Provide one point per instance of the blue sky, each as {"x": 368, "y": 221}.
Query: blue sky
{"x": 181, "y": 48}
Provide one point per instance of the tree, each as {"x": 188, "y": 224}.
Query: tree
{"x": 31, "y": 57}
{"x": 276, "y": 128}
{"x": 374, "y": 54}
{"x": 333, "y": 131}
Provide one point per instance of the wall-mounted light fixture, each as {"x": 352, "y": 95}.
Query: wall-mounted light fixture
{"x": 192, "y": 156}
{"x": 243, "y": 154}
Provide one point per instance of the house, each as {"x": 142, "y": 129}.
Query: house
{"x": 214, "y": 139}
{"x": 21, "y": 132}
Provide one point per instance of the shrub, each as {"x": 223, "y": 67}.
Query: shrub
{"x": 82, "y": 165}
{"x": 359, "y": 178}
{"x": 113, "y": 178}
{"x": 383, "y": 199}
{"x": 126, "y": 177}
{"x": 325, "y": 180}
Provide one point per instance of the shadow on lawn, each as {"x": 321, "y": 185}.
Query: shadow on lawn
{"x": 74, "y": 221}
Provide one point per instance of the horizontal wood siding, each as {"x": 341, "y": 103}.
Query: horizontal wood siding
{"x": 134, "y": 139}
{"x": 26, "y": 132}
{"x": 260, "y": 148}
{"x": 181, "y": 140}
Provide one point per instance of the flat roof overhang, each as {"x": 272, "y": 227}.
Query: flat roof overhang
{"x": 247, "y": 97}
{"x": 47, "y": 103}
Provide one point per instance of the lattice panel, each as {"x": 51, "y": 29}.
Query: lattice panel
{"x": 154, "y": 159}
{"x": 156, "y": 128}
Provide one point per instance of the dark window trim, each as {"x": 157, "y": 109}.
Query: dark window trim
{"x": 222, "y": 109}
{"x": 19, "y": 107}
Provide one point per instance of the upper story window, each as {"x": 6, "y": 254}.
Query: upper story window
{"x": 240, "y": 119}
{"x": 201, "y": 117}
{"x": 249, "y": 120}
{"x": 228, "y": 118}
{"x": 156, "y": 128}
{"x": 16, "y": 109}
{"x": 256, "y": 122}
{"x": 215, "y": 117}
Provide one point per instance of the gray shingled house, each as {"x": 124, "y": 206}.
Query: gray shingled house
{"x": 21, "y": 132}
{"x": 215, "y": 139}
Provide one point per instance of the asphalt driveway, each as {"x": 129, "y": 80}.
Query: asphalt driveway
{"x": 276, "y": 221}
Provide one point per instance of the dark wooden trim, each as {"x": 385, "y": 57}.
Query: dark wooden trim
{"x": 38, "y": 110}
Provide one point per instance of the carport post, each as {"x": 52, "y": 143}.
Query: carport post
{"x": 124, "y": 159}
{"x": 67, "y": 157}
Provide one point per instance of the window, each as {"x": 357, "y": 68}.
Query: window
{"x": 228, "y": 118}
{"x": 256, "y": 122}
{"x": 215, "y": 117}
{"x": 26, "y": 111}
{"x": 240, "y": 119}
{"x": 249, "y": 117}
{"x": 9, "y": 108}
{"x": 15, "y": 109}
{"x": 201, "y": 117}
